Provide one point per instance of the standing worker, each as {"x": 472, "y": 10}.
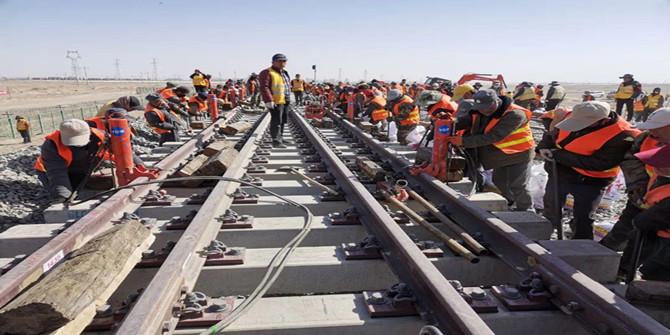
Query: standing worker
{"x": 587, "y": 147}
{"x": 463, "y": 97}
{"x": 67, "y": 156}
{"x": 525, "y": 95}
{"x": 555, "y": 95}
{"x": 651, "y": 103}
{"x": 628, "y": 90}
{"x": 587, "y": 96}
{"x": 405, "y": 113}
{"x": 161, "y": 120}
{"x": 199, "y": 81}
{"x": 23, "y": 126}
{"x": 254, "y": 90}
{"x": 500, "y": 130}
{"x": 498, "y": 87}
{"x": 276, "y": 94}
{"x": 298, "y": 89}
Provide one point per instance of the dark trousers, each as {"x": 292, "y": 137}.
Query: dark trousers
{"x": 629, "y": 108}
{"x": 620, "y": 234}
{"x": 657, "y": 265}
{"x": 642, "y": 117}
{"x": 172, "y": 136}
{"x": 552, "y": 103}
{"x": 298, "y": 97}
{"x": 279, "y": 116}
{"x": 26, "y": 135}
{"x": 586, "y": 200}
{"x": 511, "y": 180}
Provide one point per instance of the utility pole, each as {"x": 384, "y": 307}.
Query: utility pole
{"x": 234, "y": 75}
{"x": 117, "y": 74}
{"x": 314, "y": 68}
{"x": 339, "y": 74}
{"x": 74, "y": 57}
{"x": 155, "y": 74}
{"x": 365, "y": 75}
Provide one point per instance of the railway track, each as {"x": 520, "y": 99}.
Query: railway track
{"x": 365, "y": 272}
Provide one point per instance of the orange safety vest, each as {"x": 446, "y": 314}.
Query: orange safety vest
{"x": 655, "y": 196}
{"x": 519, "y": 140}
{"x": 589, "y": 143}
{"x": 350, "y": 105}
{"x": 638, "y": 106}
{"x": 202, "y": 105}
{"x": 160, "y": 115}
{"x": 413, "y": 117}
{"x": 379, "y": 113}
{"x": 649, "y": 144}
{"x": 588, "y": 98}
{"x": 242, "y": 90}
{"x": 63, "y": 150}
{"x": 167, "y": 93}
{"x": 444, "y": 103}
{"x": 98, "y": 122}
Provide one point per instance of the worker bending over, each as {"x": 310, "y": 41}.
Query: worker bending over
{"x": 164, "y": 122}
{"x": 375, "y": 108}
{"x": 197, "y": 106}
{"x": 404, "y": 113}
{"x": 129, "y": 103}
{"x": 500, "y": 131}
{"x": 587, "y": 146}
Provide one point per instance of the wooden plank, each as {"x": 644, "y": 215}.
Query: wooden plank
{"x": 217, "y": 146}
{"x": 73, "y": 290}
{"x": 370, "y": 168}
{"x": 198, "y": 124}
{"x": 234, "y": 128}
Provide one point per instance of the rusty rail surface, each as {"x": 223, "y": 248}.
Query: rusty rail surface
{"x": 152, "y": 313}
{"x": 598, "y": 309}
{"x": 93, "y": 223}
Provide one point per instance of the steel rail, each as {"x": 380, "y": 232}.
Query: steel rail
{"x": 95, "y": 222}
{"x": 152, "y": 313}
{"x": 599, "y": 309}
{"x": 440, "y": 304}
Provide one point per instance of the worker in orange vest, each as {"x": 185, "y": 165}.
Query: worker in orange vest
{"x": 161, "y": 120}
{"x": 653, "y": 221}
{"x": 404, "y": 113}
{"x": 587, "y": 147}
{"x": 198, "y": 105}
{"x": 67, "y": 156}
{"x": 587, "y": 96}
{"x": 500, "y": 130}
{"x": 23, "y": 126}
{"x": 253, "y": 89}
{"x": 637, "y": 175}
{"x": 375, "y": 108}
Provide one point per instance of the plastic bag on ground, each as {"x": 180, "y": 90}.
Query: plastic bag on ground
{"x": 415, "y": 135}
{"x": 537, "y": 184}
{"x": 393, "y": 132}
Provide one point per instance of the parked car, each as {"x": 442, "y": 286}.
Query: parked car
{"x": 597, "y": 94}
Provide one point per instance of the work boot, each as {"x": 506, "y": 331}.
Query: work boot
{"x": 287, "y": 142}
{"x": 278, "y": 144}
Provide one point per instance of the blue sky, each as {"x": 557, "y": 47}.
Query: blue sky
{"x": 572, "y": 40}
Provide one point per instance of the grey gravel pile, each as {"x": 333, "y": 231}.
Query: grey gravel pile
{"x": 22, "y": 197}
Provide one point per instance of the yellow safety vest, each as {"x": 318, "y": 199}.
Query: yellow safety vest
{"x": 558, "y": 93}
{"x": 297, "y": 85}
{"x": 528, "y": 94}
{"x": 199, "y": 80}
{"x": 652, "y": 101}
{"x": 277, "y": 87}
{"x": 22, "y": 124}
{"x": 624, "y": 91}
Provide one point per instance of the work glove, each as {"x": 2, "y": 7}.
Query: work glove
{"x": 58, "y": 199}
{"x": 547, "y": 154}
{"x": 270, "y": 105}
{"x": 455, "y": 140}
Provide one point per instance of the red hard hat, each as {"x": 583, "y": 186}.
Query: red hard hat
{"x": 368, "y": 92}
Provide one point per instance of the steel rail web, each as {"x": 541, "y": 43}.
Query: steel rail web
{"x": 183, "y": 265}
{"x": 95, "y": 222}
{"x": 439, "y": 302}
{"x": 599, "y": 309}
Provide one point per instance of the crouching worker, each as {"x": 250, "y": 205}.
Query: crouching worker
{"x": 68, "y": 156}
{"x": 159, "y": 117}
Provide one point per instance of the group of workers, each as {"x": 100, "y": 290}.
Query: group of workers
{"x": 584, "y": 148}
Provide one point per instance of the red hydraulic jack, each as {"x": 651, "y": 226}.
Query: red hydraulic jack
{"x": 126, "y": 171}
{"x": 213, "y": 107}
{"x": 444, "y": 127}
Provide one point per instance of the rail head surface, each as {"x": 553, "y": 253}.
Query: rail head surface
{"x": 600, "y": 310}
{"x": 441, "y": 303}
{"x": 151, "y": 313}
{"x": 93, "y": 223}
